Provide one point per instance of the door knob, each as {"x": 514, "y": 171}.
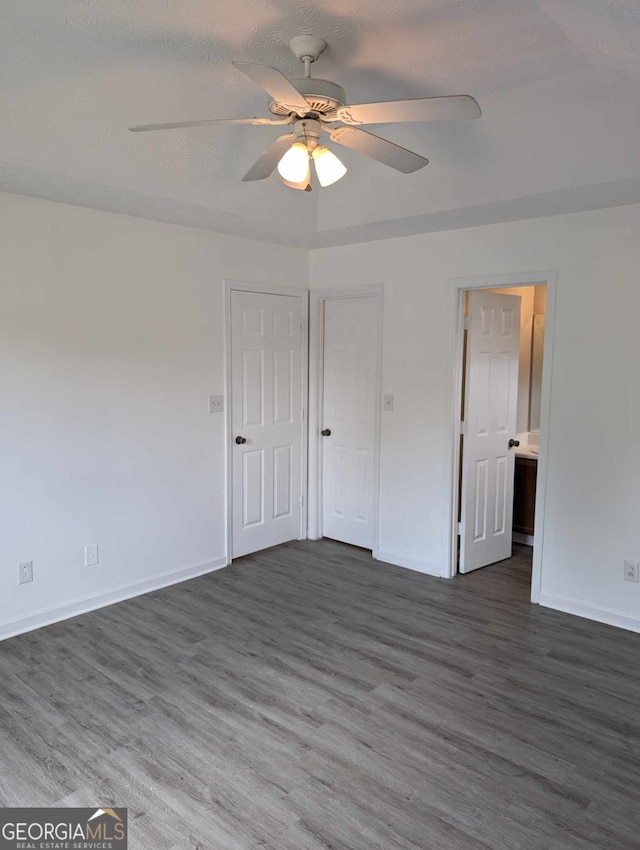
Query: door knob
{"x": 241, "y": 440}
{"x": 513, "y": 443}
{"x": 326, "y": 432}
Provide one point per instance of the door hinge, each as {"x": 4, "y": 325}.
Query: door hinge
{"x": 302, "y": 501}
{"x": 301, "y": 326}
{"x": 459, "y": 529}
{"x": 463, "y": 428}
{"x": 302, "y": 414}
{"x": 467, "y": 323}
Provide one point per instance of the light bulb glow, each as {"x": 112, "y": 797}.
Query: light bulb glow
{"x": 328, "y": 167}
{"x": 294, "y": 165}
{"x": 304, "y": 185}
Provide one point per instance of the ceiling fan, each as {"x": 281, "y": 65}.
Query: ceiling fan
{"x": 312, "y": 106}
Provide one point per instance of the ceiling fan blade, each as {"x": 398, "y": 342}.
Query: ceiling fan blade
{"x": 384, "y": 151}
{"x": 269, "y": 159}
{"x": 176, "y": 125}
{"x": 416, "y": 109}
{"x": 275, "y": 84}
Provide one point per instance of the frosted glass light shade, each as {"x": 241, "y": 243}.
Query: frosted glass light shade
{"x": 295, "y": 163}
{"x": 328, "y": 167}
{"x": 304, "y": 185}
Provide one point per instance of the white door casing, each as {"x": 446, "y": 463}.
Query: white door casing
{"x": 491, "y": 394}
{"x": 267, "y": 384}
{"x": 349, "y": 408}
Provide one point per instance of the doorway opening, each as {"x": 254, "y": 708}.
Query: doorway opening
{"x": 501, "y": 404}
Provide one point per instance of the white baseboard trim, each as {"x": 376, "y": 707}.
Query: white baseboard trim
{"x": 47, "y": 616}
{"x": 591, "y": 612}
{"x": 527, "y": 539}
{"x": 408, "y": 563}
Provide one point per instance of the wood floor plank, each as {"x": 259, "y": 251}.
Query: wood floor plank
{"x": 309, "y": 697}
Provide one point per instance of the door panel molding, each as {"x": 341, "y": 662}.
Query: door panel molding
{"x": 266, "y": 289}
{"x": 318, "y": 297}
{"x": 458, "y": 287}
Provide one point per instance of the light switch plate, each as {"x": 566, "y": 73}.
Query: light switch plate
{"x": 91, "y": 555}
{"x": 388, "y": 402}
{"x": 216, "y": 403}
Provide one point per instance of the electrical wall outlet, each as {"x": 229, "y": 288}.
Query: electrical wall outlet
{"x": 25, "y": 572}
{"x": 216, "y": 403}
{"x": 631, "y": 571}
{"x": 91, "y": 555}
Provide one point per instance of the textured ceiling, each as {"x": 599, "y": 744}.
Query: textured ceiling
{"x": 558, "y": 82}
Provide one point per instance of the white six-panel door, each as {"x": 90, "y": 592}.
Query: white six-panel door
{"x": 349, "y": 409}
{"x": 491, "y": 396}
{"x": 266, "y": 409}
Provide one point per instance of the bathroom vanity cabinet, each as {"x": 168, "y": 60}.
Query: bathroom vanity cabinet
{"x": 524, "y": 495}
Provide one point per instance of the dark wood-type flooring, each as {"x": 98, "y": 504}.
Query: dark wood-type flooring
{"x": 308, "y": 697}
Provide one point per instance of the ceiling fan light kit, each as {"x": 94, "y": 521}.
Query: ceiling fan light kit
{"x": 294, "y": 165}
{"x": 314, "y": 106}
{"x": 328, "y": 167}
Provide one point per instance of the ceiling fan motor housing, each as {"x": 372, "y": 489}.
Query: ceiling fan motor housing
{"x": 324, "y": 98}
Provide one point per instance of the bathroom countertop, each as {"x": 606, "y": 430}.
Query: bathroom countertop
{"x": 530, "y": 452}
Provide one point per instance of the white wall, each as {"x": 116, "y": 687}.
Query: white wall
{"x": 111, "y": 339}
{"x": 592, "y": 519}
